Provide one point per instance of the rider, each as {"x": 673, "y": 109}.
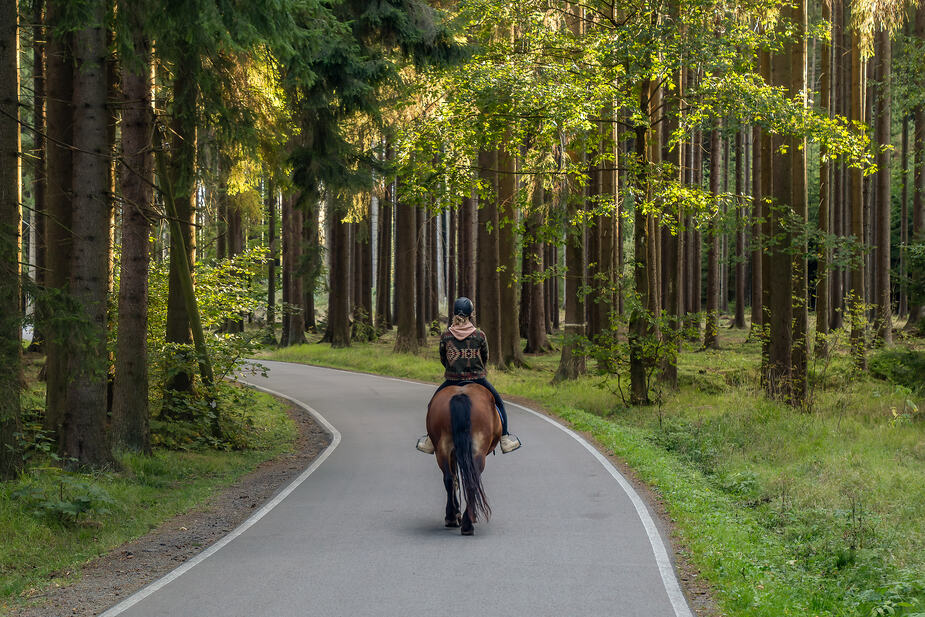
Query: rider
{"x": 464, "y": 353}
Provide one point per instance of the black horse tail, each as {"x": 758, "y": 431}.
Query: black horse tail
{"x": 469, "y": 469}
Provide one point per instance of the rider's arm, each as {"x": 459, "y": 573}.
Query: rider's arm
{"x": 483, "y": 351}
{"x": 443, "y": 351}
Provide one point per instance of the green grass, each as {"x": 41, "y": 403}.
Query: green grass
{"x": 42, "y": 547}
{"x": 785, "y": 512}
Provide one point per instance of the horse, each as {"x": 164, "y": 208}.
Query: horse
{"x": 464, "y": 426}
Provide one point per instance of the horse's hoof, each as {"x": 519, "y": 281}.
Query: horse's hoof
{"x": 451, "y": 522}
{"x": 468, "y": 532}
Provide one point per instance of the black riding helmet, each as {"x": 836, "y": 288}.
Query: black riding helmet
{"x": 462, "y": 306}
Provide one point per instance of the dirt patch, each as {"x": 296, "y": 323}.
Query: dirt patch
{"x": 109, "y": 579}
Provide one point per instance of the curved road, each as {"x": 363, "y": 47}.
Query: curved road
{"x": 360, "y": 533}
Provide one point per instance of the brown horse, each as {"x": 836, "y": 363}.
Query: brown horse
{"x": 464, "y": 426}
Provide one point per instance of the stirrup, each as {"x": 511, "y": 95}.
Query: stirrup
{"x": 509, "y": 443}
{"x": 425, "y": 445}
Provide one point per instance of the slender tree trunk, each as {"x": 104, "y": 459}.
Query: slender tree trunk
{"x": 711, "y": 331}
{"x": 39, "y": 192}
{"x": 451, "y": 259}
{"x": 466, "y": 262}
{"x": 488, "y": 300}
{"x": 130, "y": 389}
{"x": 917, "y": 276}
{"x": 537, "y": 342}
{"x": 384, "y": 263}
{"x": 640, "y": 327}
{"x": 904, "y": 220}
{"x": 757, "y": 311}
{"x": 856, "y": 204}
{"x": 272, "y": 259}
{"x": 800, "y": 205}
{"x": 420, "y": 275}
{"x": 10, "y": 238}
{"x": 312, "y": 262}
{"x": 84, "y": 425}
{"x": 59, "y": 172}
{"x": 673, "y": 270}
{"x": 286, "y": 271}
{"x": 511, "y": 351}
{"x": 406, "y": 339}
{"x": 340, "y": 268}
{"x": 823, "y": 285}
{"x": 292, "y": 258}
{"x": 882, "y": 296}
{"x": 739, "y": 322}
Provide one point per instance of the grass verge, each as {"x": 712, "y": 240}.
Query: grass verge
{"x": 784, "y": 512}
{"x": 53, "y": 521}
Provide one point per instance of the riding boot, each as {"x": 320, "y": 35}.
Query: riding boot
{"x": 426, "y": 446}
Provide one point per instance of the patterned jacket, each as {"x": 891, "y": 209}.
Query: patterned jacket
{"x": 464, "y": 353}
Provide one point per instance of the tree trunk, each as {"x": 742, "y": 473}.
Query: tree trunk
{"x": 130, "y": 390}
{"x": 286, "y": 271}
{"x": 84, "y": 425}
{"x": 488, "y": 300}
{"x": 272, "y": 258}
{"x": 778, "y": 278}
{"x": 882, "y": 297}
{"x": 823, "y": 285}
{"x": 406, "y": 339}
{"x": 451, "y": 259}
{"x": 384, "y": 263}
{"x": 340, "y": 270}
{"x": 182, "y": 179}
{"x": 420, "y": 276}
{"x": 641, "y": 329}
{"x": 310, "y": 253}
{"x": 711, "y": 331}
{"x": 757, "y": 312}
{"x": 511, "y": 351}
{"x": 800, "y": 205}
{"x": 904, "y": 220}
{"x": 537, "y": 342}
{"x": 59, "y": 170}
{"x": 673, "y": 270}
{"x": 433, "y": 269}
{"x": 739, "y": 322}
{"x": 466, "y": 248}
{"x": 856, "y": 203}
{"x": 10, "y": 237}
{"x": 292, "y": 259}
{"x": 39, "y": 191}
{"x": 917, "y": 276}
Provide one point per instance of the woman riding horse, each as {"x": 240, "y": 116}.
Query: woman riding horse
{"x": 464, "y": 353}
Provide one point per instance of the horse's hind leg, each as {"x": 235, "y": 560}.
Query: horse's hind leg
{"x": 452, "y": 502}
{"x": 467, "y": 527}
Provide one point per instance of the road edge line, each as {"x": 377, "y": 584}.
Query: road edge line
{"x": 185, "y": 567}
{"x": 662, "y": 559}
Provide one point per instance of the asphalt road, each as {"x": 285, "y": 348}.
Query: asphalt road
{"x": 360, "y": 533}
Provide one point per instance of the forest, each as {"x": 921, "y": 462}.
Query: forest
{"x": 692, "y": 226}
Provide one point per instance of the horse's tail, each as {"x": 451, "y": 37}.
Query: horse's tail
{"x": 470, "y": 472}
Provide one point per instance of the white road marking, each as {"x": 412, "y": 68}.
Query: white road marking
{"x": 662, "y": 560}
{"x": 146, "y": 591}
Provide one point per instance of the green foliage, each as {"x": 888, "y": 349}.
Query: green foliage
{"x": 62, "y": 496}
{"x": 904, "y": 367}
{"x": 220, "y": 419}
